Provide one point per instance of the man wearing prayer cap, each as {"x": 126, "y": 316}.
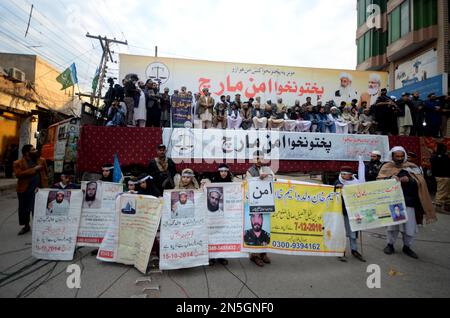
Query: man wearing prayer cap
{"x": 184, "y": 208}
{"x": 373, "y": 90}
{"x": 374, "y": 166}
{"x": 417, "y": 199}
{"x": 59, "y": 206}
{"x": 347, "y": 177}
{"x": 346, "y": 91}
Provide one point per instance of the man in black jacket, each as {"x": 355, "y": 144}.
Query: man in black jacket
{"x": 374, "y": 166}
{"x": 440, "y": 163}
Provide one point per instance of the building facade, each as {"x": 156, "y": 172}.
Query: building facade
{"x": 409, "y": 40}
{"x": 30, "y": 99}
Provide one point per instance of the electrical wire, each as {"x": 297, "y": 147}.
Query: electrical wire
{"x": 57, "y": 42}
{"x": 28, "y": 290}
{"x": 113, "y": 283}
{"x": 207, "y": 282}
{"x": 245, "y": 284}
{"x": 179, "y": 285}
{"x": 7, "y": 218}
{"x": 246, "y": 280}
{"x": 15, "y": 251}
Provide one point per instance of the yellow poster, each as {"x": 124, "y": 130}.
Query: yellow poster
{"x": 375, "y": 204}
{"x": 308, "y": 220}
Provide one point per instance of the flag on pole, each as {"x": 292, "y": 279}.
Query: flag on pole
{"x": 95, "y": 80}
{"x": 117, "y": 175}
{"x": 69, "y": 77}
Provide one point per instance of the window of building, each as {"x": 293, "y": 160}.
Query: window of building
{"x": 362, "y": 9}
{"x": 404, "y": 19}
{"x": 394, "y": 25}
{"x": 425, "y": 13}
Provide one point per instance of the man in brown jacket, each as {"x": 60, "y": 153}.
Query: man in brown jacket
{"x": 206, "y": 104}
{"x": 31, "y": 172}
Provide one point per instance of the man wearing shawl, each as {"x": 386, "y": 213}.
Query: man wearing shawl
{"x": 417, "y": 199}
{"x": 347, "y": 177}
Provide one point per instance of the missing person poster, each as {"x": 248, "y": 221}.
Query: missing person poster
{"x": 184, "y": 230}
{"x": 375, "y": 204}
{"x": 224, "y": 206}
{"x": 308, "y": 220}
{"x": 98, "y": 211}
{"x": 55, "y": 224}
{"x": 130, "y": 237}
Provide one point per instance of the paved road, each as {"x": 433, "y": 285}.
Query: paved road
{"x": 287, "y": 276}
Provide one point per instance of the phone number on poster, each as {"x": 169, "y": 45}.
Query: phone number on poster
{"x": 299, "y": 246}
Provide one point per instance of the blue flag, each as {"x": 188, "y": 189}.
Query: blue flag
{"x": 117, "y": 175}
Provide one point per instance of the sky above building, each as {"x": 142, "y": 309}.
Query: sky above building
{"x": 284, "y": 32}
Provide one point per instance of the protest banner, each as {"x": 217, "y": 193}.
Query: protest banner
{"x": 261, "y": 196}
{"x": 375, "y": 204}
{"x": 56, "y": 219}
{"x": 251, "y": 80}
{"x": 308, "y": 220}
{"x": 130, "y": 237}
{"x": 225, "y": 205}
{"x": 181, "y": 111}
{"x": 98, "y": 211}
{"x": 277, "y": 145}
{"x": 184, "y": 230}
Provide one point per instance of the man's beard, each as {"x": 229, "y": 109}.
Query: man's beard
{"x": 373, "y": 91}
{"x": 90, "y": 198}
{"x": 398, "y": 162}
{"x": 59, "y": 201}
{"x": 212, "y": 208}
{"x": 256, "y": 228}
{"x": 345, "y": 91}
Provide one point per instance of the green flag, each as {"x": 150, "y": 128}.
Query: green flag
{"x": 68, "y": 78}
{"x": 95, "y": 80}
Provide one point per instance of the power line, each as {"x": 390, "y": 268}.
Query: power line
{"x": 60, "y": 56}
{"x": 47, "y": 27}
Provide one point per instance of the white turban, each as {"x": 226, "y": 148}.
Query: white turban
{"x": 398, "y": 149}
{"x": 346, "y": 75}
{"x": 375, "y": 78}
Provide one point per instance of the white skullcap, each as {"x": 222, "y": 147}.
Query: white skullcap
{"x": 375, "y": 77}
{"x": 345, "y": 75}
{"x": 376, "y": 152}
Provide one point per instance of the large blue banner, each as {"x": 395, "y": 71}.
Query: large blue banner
{"x": 434, "y": 85}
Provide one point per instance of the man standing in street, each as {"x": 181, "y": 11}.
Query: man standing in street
{"x": 31, "y": 172}
{"x": 258, "y": 170}
{"x": 440, "y": 163}
{"x": 417, "y": 199}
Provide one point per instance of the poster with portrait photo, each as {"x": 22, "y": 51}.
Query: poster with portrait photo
{"x": 214, "y": 201}
{"x": 56, "y": 221}
{"x": 58, "y": 203}
{"x": 398, "y": 212}
{"x": 98, "y": 211}
{"x": 92, "y": 195}
{"x": 256, "y": 230}
{"x": 184, "y": 230}
{"x": 182, "y": 204}
{"x": 225, "y": 227}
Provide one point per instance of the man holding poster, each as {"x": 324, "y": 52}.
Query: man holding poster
{"x": 417, "y": 199}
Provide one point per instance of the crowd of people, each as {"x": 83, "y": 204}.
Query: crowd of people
{"x": 162, "y": 175}
{"x": 143, "y": 105}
